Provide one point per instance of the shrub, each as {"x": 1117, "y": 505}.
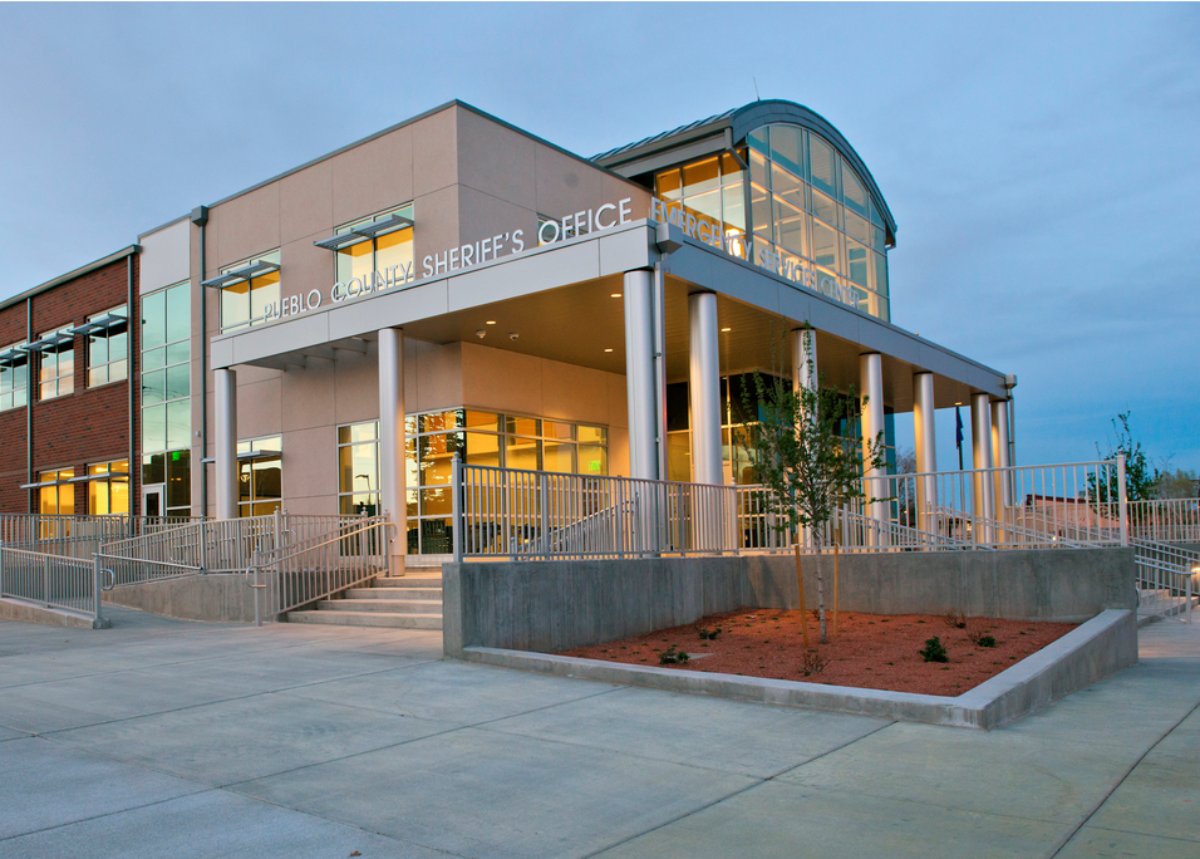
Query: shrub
{"x": 814, "y": 662}
{"x": 671, "y": 656}
{"x": 933, "y": 651}
{"x": 708, "y": 634}
{"x": 956, "y": 619}
{"x": 981, "y": 640}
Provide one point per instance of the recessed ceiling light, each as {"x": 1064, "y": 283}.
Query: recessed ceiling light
{"x": 614, "y": 295}
{"x": 726, "y": 330}
{"x": 608, "y": 349}
{"x": 491, "y": 322}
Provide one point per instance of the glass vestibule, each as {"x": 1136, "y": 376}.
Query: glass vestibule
{"x": 808, "y": 213}
{"x": 485, "y": 438}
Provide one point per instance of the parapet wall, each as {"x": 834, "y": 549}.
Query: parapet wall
{"x": 556, "y": 605}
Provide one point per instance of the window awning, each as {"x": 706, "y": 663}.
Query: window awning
{"x": 253, "y": 455}
{"x": 240, "y": 274}
{"x": 46, "y": 483}
{"x": 101, "y": 323}
{"x": 362, "y": 233}
{"x": 51, "y": 342}
{"x": 14, "y": 355}
{"x": 104, "y": 475}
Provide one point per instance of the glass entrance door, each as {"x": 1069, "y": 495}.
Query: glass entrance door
{"x": 153, "y": 497}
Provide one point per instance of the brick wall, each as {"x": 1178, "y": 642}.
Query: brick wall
{"x": 90, "y": 425}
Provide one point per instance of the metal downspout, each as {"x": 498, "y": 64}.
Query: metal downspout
{"x": 200, "y": 219}
{"x": 29, "y": 377}
{"x": 132, "y": 364}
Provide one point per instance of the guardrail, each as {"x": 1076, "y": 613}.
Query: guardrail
{"x": 1168, "y": 520}
{"x": 55, "y": 581}
{"x": 302, "y": 573}
{"x": 77, "y": 536}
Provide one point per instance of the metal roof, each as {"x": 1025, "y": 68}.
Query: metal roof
{"x": 740, "y": 121}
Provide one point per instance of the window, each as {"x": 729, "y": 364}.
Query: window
{"x": 166, "y": 394}
{"x": 108, "y": 346}
{"x": 260, "y": 475}
{"x": 108, "y": 487}
{"x": 712, "y": 189}
{"x": 57, "y": 365}
{"x": 491, "y": 439}
{"x": 381, "y": 243}
{"x": 57, "y": 499}
{"x": 248, "y": 288}
{"x": 14, "y": 376}
{"x": 358, "y": 468}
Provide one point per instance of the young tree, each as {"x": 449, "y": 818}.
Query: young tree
{"x": 807, "y": 468}
{"x": 1141, "y": 479}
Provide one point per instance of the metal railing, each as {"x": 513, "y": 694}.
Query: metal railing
{"x": 77, "y": 536}
{"x": 1168, "y": 576}
{"x": 55, "y": 581}
{"x": 1168, "y": 520}
{"x": 513, "y": 513}
{"x": 301, "y": 573}
{"x": 214, "y": 545}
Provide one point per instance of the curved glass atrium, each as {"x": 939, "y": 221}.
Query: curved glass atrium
{"x": 811, "y": 216}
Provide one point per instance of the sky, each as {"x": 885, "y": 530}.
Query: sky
{"x": 1042, "y": 161}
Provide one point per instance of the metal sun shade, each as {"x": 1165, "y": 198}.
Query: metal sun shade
{"x": 240, "y": 274}
{"x": 390, "y": 224}
{"x": 101, "y": 323}
{"x": 51, "y": 342}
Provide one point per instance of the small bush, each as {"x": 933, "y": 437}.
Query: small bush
{"x": 956, "y": 620}
{"x": 814, "y": 663}
{"x": 671, "y": 656}
{"x": 708, "y": 634}
{"x": 933, "y": 651}
{"x": 981, "y": 640}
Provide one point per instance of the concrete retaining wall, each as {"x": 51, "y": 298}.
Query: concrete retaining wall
{"x": 29, "y": 613}
{"x": 556, "y": 605}
{"x": 215, "y": 597}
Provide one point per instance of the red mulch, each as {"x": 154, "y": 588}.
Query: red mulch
{"x": 868, "y": 650}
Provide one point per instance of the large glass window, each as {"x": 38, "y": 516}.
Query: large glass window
{"x": 485, "y": 438}
{"x": 811, "y": 215}
{"x": 166, "y": 387}
{"x": 358, "y": 468}
{"x": 108, "y": 348}
{"x": 108, "y": 487}
{"x": 713, "y": 191}
{"x": 14, "y": 376}
{"x": 59, "y": 498}
{"x": 260, "y": 475}
{"x": 56, "y": 376}
{"x": 391, "y": 248}
{"x": 244, "y": 303}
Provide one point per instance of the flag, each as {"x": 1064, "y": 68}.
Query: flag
{"x": 958, "y": 427}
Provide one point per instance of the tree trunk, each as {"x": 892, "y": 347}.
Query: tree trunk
{"x": 800, "y": 585}
{"x": 835, "y": 588}
{"x": 820, "y": 592}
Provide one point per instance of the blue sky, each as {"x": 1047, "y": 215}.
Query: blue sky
{"x": 1041, "y": 160}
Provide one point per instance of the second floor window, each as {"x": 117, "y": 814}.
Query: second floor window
{"x": 14, "y": 376}
{"x": 108, "y": 347}
{"x": 56, "y": 375}
{"x": 248, "y": 289}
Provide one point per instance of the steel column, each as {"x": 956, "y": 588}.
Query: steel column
{"x": 225, "y": 418}
{"x": 704, "y": 388}
{"x": 981, "y": 458}
{"x": 925, "y": 444}
{"x": 392, "y": 496}
{"x": 640, "y": 375}
{"x": 870, "y": 372}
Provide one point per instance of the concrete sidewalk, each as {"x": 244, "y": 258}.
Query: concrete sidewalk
{"x": 164, "y": 738}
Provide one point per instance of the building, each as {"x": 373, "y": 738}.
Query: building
{"x": 329, "y": 338}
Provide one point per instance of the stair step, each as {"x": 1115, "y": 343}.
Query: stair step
{"x": 418, "y": 606}
{"x": 368, "y": 618}
{"x": 409, "y": 582}
{"x": 394, "y": 593}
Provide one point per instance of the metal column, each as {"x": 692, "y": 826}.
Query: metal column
{"x": 704, "y": 388}
{"x": 870, "y": 372}
{"x": 981, "y": 455}
{"x": 1000, "y": 457}
{"x": 640, "y": 375}
{"x": 225, "y": 419}
{"x": 925, "y": 444}
{"x": 391, "y": 444}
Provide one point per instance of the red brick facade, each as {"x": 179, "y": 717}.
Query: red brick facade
{"x": 90, "y": 425}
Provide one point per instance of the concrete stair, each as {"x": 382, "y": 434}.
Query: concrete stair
{"x": 411, "y": 602}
